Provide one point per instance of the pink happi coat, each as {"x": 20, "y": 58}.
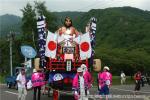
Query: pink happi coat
{"x": 75, "y": 84}
{"x": 38, "y": 79}
{"x": 103, "y": 77}
{"x": 89, "y": 78}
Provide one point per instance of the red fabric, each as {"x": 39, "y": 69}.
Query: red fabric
{"x": 137, "y": 76}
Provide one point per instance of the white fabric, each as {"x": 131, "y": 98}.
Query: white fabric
{"x": 51, "y": 37}
{"x": 76, "y": 93}
{"x": 106, "y": 67}
{"x": 41, "y": 22}
{"x": 107, "y": 82}
{"x": 22, "y": 92}
{"x": 82, "y": 89}
{"x": 99, "y": 86}
{"x": 28, "y": 63}
{"x": 60, "y": 38}
{"x": 79, "y": 69}
{"x": 122, "y": 75}
{"x": 68, "y": 31}
{"x": 84, "y": 68}
{"x": 22, "y": 80}
{"x": 29, "y": 85}
{"x": 85, "y": 38}
{"x": 93, "y": 25}
{"x": 123, "y": 78}
{"x": 41, "y": 26}
{"x": 77, "y": 39}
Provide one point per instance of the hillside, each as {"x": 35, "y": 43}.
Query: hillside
{"x": 9, "y": 23}
{"x": 122, "y": 27}
{"x": 123, "y": 37}
{"x": 62, "y": 15}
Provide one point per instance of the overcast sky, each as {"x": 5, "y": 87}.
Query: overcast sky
{"x": 14, "y": 6}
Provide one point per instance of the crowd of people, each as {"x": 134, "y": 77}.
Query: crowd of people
{"x": 81, "y": 84}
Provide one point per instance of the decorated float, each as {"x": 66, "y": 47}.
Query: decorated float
{"x": 62, "y": 54}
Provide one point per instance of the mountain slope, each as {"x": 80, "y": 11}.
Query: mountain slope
{"x": 122, "y": 38}
{"x": 119, "y": 27}
{"x": 9, "y": 23}
{"x": 61, "y": 16}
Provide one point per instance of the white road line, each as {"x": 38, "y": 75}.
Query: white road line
{"x": 11, "y": 92}
{"x": 130, "y": 90}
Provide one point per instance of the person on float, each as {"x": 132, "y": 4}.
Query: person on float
{"x": 105, "y": 81}
{"x": 68, "y": 28}
{"x": 80, "y": 85}
{"x": 66, "y": 34}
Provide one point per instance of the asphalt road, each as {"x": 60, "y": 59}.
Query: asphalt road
{"x": 11, "y": 94}
{"x": 119, "y": 92}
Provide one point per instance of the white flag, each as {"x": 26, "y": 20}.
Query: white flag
{"x": 28, "y": 64}
{"x": 51, "y": 45}
{"x": 77, "y": 39}
{"x": 85, "y": 46}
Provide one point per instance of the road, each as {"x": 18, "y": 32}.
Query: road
{"x": 119, "y": 92}
{"x": 11, "y": 94}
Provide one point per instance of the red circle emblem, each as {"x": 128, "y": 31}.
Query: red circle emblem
{"x": 52, "y": 45}
{"x": 84, "y": 46}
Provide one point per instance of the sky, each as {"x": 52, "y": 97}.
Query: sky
{"x": 14, "y": 6}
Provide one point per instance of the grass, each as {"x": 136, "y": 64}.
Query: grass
{"x": 2, "y": 79}
{"x": 115, "y": 80}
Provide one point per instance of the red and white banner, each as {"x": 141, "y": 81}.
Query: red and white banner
{"x": 85, "y": 46}
{"x": 51, "y": 45}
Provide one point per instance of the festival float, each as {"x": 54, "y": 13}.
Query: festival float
{"x": 63, "y": 54}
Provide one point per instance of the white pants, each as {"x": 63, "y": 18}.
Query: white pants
{"x": 123, "y": 80}
{"x": 22, "y": 92}
{"x": 83, "y": 96}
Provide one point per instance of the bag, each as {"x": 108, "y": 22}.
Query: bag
{"x": 29, "y": 85}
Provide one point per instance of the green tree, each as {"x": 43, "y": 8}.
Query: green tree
{"x": 29, "y": 24}
{"x": 50, "y": 17}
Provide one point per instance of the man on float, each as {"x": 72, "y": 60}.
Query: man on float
{"x": 66, "y": 34}
{"x": 68, "y": 29}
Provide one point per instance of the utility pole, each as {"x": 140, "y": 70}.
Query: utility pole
{"x": 10, "y": 36}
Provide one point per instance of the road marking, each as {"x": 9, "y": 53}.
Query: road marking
{"x": 11, "y": 92}
{"x": 131, "y": 90}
